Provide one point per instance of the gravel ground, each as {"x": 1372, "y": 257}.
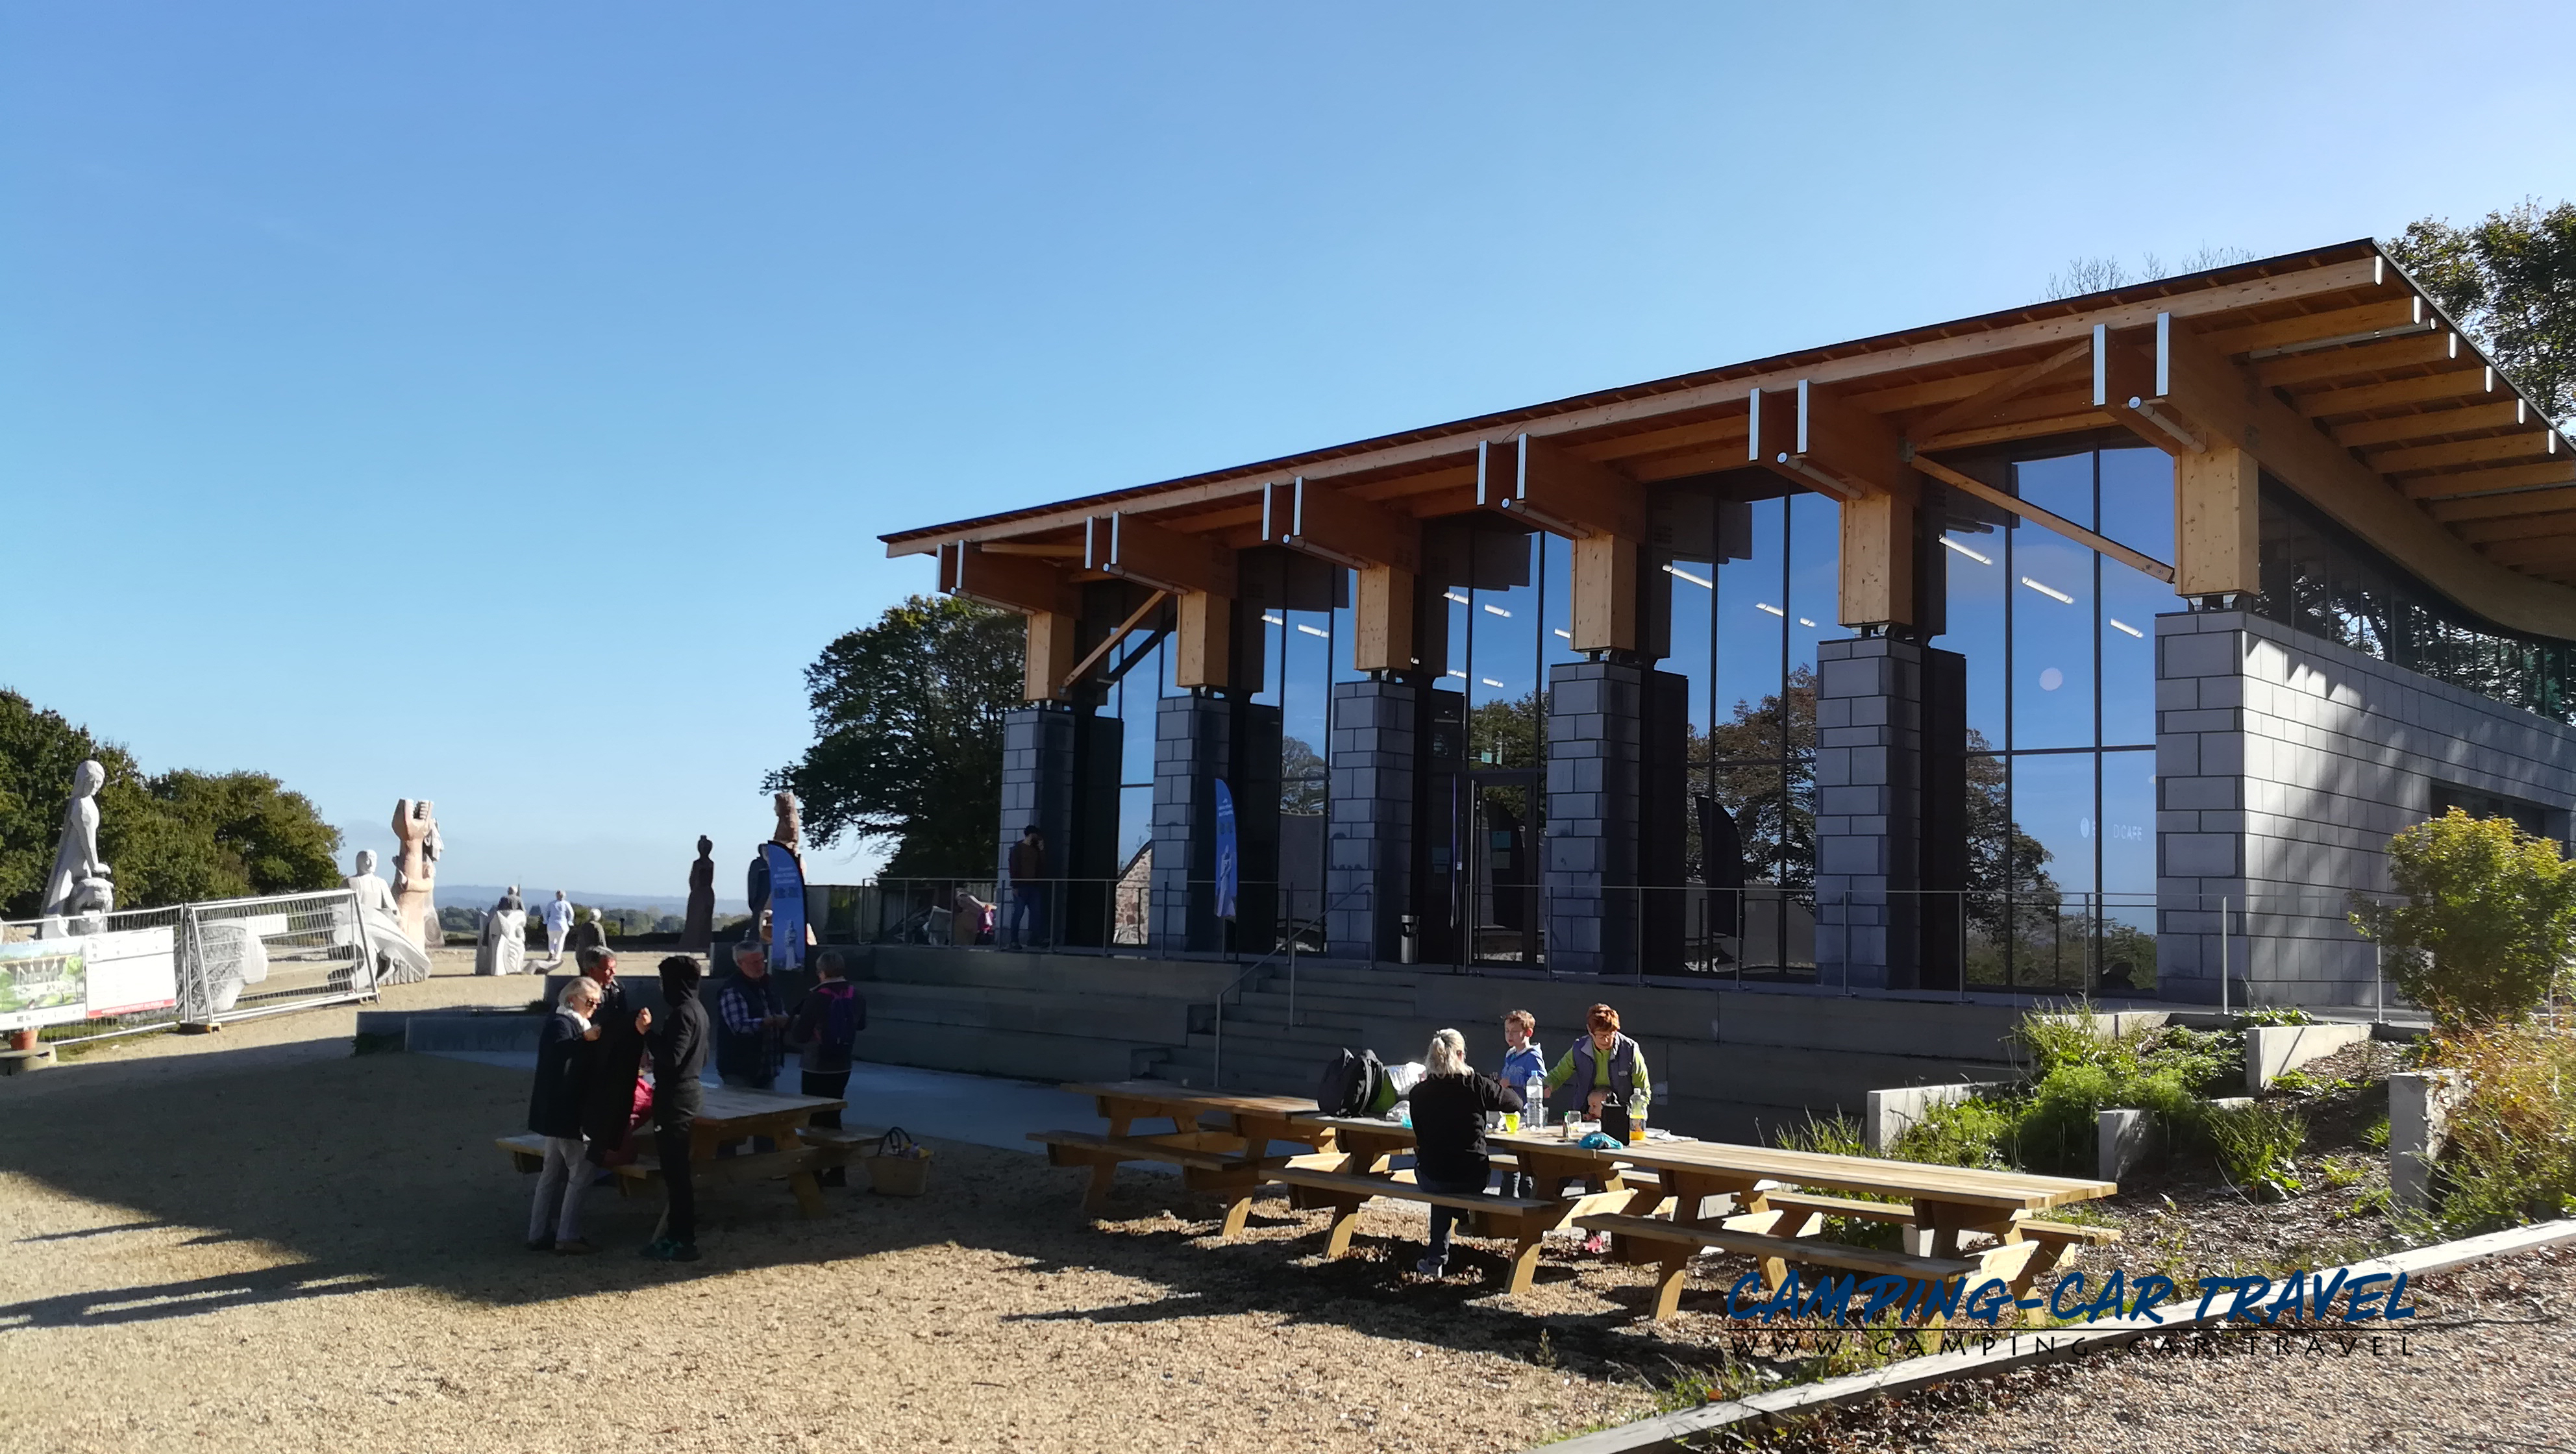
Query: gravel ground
{"x": 256, "y": 1240}
{"x": 2488, "y": 1365}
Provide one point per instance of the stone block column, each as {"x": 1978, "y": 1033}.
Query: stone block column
{"x": 1596, "y": 732}
{"x": 1368, "y": 873}
{"x": 1038, "y": 786}
{"x": 2201, "y": 880}
{"x": 1193, "y": 743}
{"x": 1869, "y": 811}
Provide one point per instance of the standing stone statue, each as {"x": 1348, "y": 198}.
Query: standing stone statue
{"x": 791, "y": 823}
{"x": 79, "y": 886}
{"x": 502, "y": 947}
{"x": 698, "y": 930}
{"x": 416, "y": 871}
{"x": 399, "y": 960}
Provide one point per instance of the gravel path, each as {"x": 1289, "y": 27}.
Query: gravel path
{"x": 2488, "y": 1365}
{"x": 256, "y": 1240}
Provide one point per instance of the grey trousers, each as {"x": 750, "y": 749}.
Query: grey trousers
{"x": 557, "y": 1213}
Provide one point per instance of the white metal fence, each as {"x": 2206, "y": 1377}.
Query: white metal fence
{"x": 143, "y": 969}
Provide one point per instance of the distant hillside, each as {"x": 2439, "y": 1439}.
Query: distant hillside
{"x": 484, "y": 896}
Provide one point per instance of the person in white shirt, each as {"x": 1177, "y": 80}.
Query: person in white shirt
{"x": 558, "y": 924}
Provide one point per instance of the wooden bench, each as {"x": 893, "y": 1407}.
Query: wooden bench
{"x": 1218, "y": 1162}
{"x": 1525, "y": 1220}
{"x": 1681, "y": 1243}
{"x": 527, "y": 1150}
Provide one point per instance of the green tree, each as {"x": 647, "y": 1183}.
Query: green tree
{"x": 908, "y": 735}
{"x": 2487, "y": 917}
{"x": 2510, "y": 283}
{"x": 175, "y": 838}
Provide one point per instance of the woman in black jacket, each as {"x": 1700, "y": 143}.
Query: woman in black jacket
{"x": 566, "y": 1048}
{"x": 1450, "y": 1104}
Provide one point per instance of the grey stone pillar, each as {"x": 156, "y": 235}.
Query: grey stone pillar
{"x": 1368, "y": 875}
{"x": 1193, "y": 742}
{"x": 1037, "y": 787}
{"x": 1595, "y": 754}
{"x": 2200, "y": 803}
{"x": 1869, "y": 811}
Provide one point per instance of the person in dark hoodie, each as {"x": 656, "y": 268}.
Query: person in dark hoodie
{"x": 678, "y": 1044}
{"x": 616, "y": 1058}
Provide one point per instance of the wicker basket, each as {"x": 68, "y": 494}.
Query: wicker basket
{"x": 898, "y": 1168}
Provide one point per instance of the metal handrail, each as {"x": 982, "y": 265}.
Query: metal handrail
{"x": 1216, "y": 1068}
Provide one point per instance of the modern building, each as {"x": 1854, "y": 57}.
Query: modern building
{"x": 2100, "y": 643}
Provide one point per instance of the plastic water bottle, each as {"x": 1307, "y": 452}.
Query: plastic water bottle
{"x": 1534, "y": 1102}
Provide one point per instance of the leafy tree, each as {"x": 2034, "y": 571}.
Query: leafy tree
{"x": 2487, "y": 919}
{"x": 1765, "y": 778}
{"x": 175, "y": 838}
{"x": 1301, "y": 778}
{"x": 2510, "y": 283}
{"x": 908, "y": 734}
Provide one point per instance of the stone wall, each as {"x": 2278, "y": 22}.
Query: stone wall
{"x": 2284, "y": 763}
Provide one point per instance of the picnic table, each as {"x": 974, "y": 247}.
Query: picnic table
{"x": 1354, "y": 1170}
{"x": 1219, "y": 1140}
{"x": 1764, "y": 1218}
{"x": 734, "y": 1113}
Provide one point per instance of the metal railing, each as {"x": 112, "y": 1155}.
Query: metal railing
{"x": 210, "y": 963}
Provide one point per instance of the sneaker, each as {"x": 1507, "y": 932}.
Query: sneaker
{"x": 659, "y": 1249}
{"x": 682, "y": 1252}
{"x": 542, "y": 1244}
{"x": 1431, "y": 1267}
{"x": 575, "y": 1248}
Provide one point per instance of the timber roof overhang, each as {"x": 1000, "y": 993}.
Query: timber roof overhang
{"x": 2331, "y": 366}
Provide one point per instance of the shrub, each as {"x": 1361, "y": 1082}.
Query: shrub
{"x": 1832, "y": 1136}
{"x": 2257, "y": 1147}
{"x": 2486, "y": 922}
{"x": 2512, "y": 1151}
{"x": 1975, "y": 1132}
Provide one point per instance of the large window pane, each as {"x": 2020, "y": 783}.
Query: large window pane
{"x": 1693, "y": 586}
{"x": 2053, "y": 602}
{"x": 1976, "y": 608}
{"x": 1751, "y": 617}
{"x": 2129, "y": 823}
{"x": 2130, "y": 601}
{"x": 2053, "y": 807}
{"x": 1815, "y": 577}
{"x": 2138, "y": 502}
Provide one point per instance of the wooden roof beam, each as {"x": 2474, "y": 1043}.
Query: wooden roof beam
{"x": 2291, "y": 370}
{"x": 2361, "y": 323}
{"x": 1978, "y": 406}
{"x": 2482, "y": 483}
{"x": 1132, "y": 549}
{"x": 2362, "y": 398}
{"x": 2432, "y": 424}
{"x": 1331, "y": 525}
{"x": 2535, "y": 445}
{"x": 1824, "y": 442}
{"x": 1558, "y": 491}
{"x": 1012, "y": 582}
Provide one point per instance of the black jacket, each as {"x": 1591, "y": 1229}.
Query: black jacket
{"x": 678, "y": 1041}
{"x": 1449, "y": 1123}
{"x": 563, "y": 1074}
{"x": 608, "y": 1099}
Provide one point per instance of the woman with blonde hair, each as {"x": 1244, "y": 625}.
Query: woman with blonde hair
{"x": 1450, "y": 1104}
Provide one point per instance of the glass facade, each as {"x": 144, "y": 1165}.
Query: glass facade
{"x": 2317, "y": 578}
{"x": 2059, "y": 645}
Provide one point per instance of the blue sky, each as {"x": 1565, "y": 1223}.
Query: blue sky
{"x": 499, "y": 404}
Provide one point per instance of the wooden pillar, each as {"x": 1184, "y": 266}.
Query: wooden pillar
{"x": 1203, "y": 658}
{"x": 2217, "y": 523}
{"x": 1050, "y": 656}
{"x": 1605, "y": 594}
{"x": 1382, "y": 620}
{"x": 1878, "y": 560}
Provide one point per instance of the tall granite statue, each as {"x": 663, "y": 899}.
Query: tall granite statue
{"x": 416, "y": 872}
{"x": 398, "y": 958}
{"x": 791, "y": 823}
{"x": 79, "y": 887}
{"x": 502, "y": 948}
{"x": 698, "y": 930}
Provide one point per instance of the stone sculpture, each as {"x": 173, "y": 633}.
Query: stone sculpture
{"x": 698, "y": 930}
{"x": 416, "y": 871}
{"x": 79, "y": 888}
{"x": 791, "y": 823}
{"x": 398, "y": 958}
{"x": 502, "y": 947}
